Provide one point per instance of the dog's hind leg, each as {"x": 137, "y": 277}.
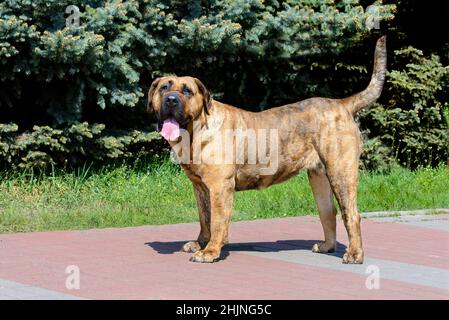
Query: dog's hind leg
{"x": 322, "y": 193}
{"x": 203, "y": 202}
{"x": 343, "y": 177}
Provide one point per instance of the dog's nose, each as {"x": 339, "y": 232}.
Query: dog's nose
{"x": 171, "y": 101}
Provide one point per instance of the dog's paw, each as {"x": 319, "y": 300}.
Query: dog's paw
{"x": 353, "y": 256}
{"x": 323, "y": 247}
{"x": 191, "y": 246}
{"x": 205, "y": 256}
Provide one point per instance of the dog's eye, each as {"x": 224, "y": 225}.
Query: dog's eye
{"x": 165, "y": 87}
{"x": 186, "y": 91}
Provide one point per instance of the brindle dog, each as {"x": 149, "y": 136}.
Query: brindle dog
{"x": 318, "y": 134}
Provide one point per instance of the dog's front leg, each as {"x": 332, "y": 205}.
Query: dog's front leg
{"x": 203, "y": 203}
{"x": 221, "y": 193}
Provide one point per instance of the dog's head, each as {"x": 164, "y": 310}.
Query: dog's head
{"x": 177, "y": 101}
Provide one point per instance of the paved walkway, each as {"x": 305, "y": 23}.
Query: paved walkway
{"x": 267, "y": 259}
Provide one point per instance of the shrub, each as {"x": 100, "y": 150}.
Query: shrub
{"x": 54, "y": 78}
{"x": 376, "y": 156}
{"x": 412, "y": 120}
{"x": 44, "y": 147}
{"x": 110, "y": 59}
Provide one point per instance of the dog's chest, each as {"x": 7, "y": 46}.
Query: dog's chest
{"x": 248, "y": 177}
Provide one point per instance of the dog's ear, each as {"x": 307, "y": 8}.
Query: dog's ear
{"x": 151, "y": 93}
{"x": 207, "y": 99}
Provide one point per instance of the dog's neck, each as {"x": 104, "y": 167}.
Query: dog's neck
{"x": 200, "y": 123}
{"x": 202, "y": 120}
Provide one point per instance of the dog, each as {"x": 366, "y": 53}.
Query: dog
{"x": 317, "y": 134}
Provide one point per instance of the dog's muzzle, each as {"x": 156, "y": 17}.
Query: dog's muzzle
{"x": 171, "y": 101}
{"x": 171, "y": 107}
{"x": 171, "y": 116}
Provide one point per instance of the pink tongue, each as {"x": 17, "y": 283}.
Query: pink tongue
{"x": 170, "y": 129}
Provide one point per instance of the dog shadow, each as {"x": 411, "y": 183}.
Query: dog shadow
{"x": 171, "y": 247}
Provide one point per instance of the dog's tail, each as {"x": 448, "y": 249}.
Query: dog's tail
{"x": 368, "y": 96}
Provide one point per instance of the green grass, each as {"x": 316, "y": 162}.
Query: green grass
{"x": 162, "y": 194}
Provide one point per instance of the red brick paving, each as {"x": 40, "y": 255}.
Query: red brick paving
{"x": 142, "y": 263}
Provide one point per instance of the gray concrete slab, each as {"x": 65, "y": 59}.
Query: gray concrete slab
{"x": 432, "y": 224}
{"x": 437, "y": 221}
{"x": 374, "y": 214}
{"x": 10, "y": 290}
{"x": 404, "y": 272}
